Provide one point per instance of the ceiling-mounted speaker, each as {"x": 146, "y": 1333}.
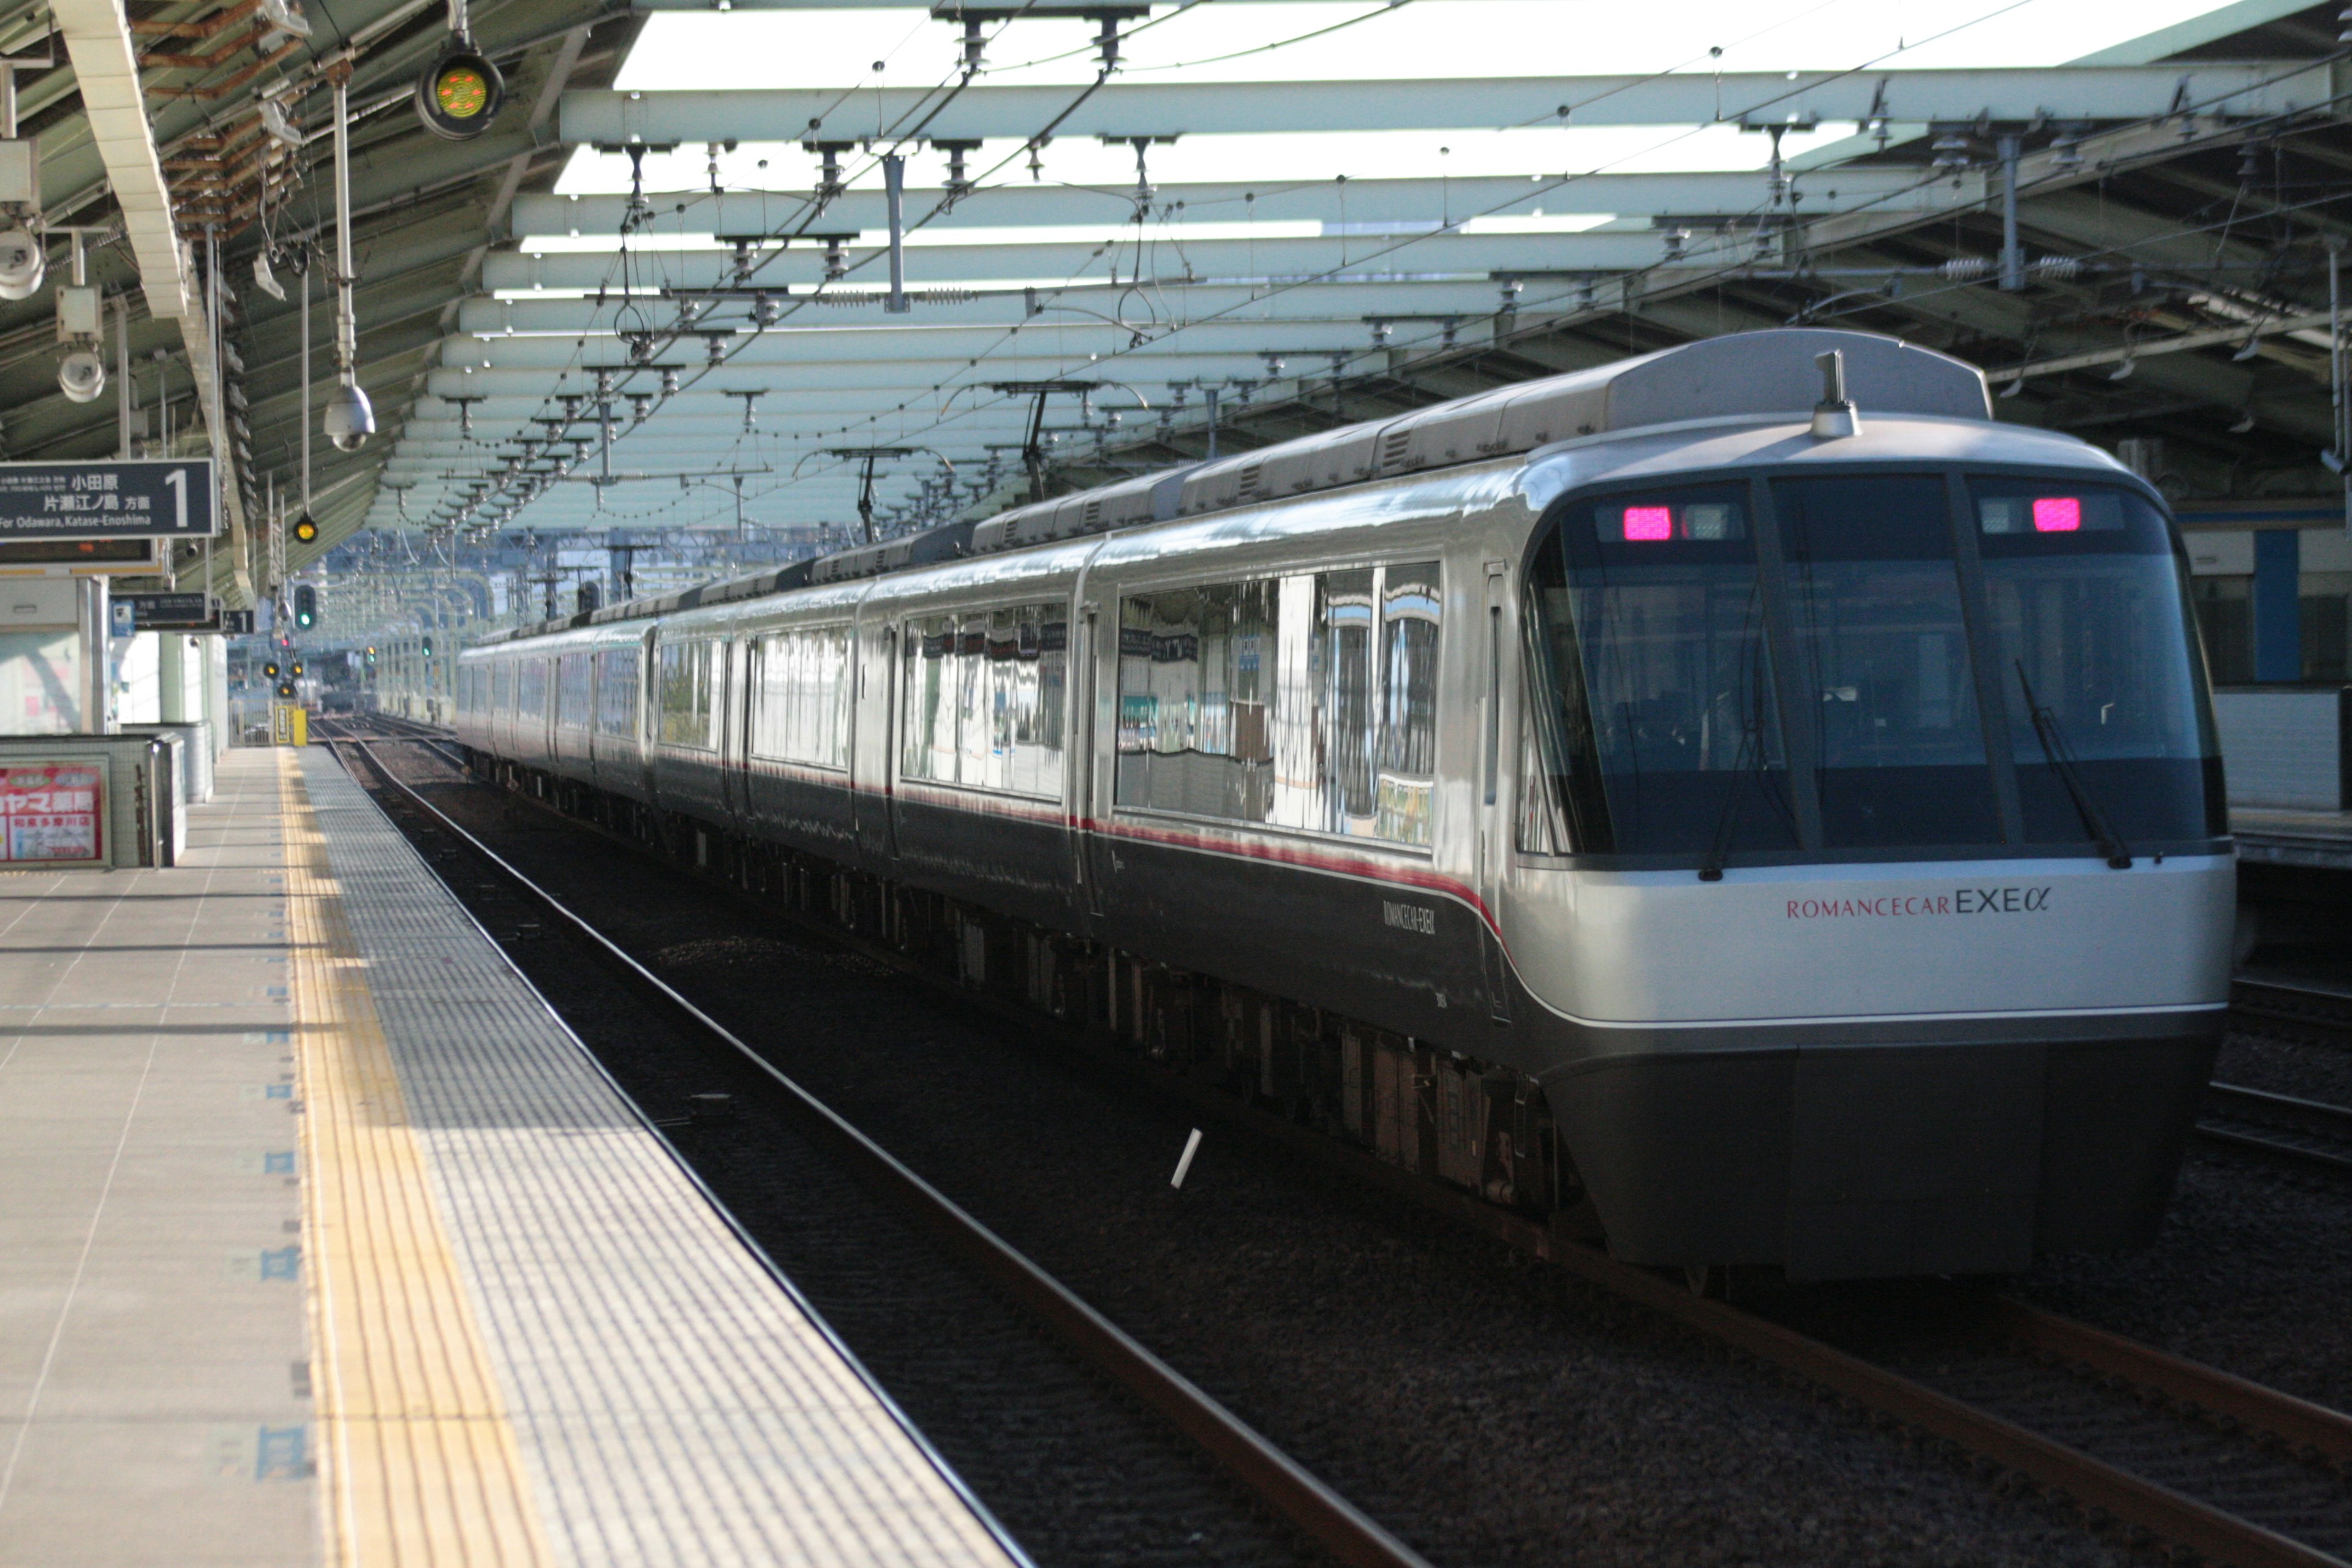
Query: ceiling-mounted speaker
{"x": 459, "y": 94}
{"x": 81, "y": 376}
{"x": 24, "y": 262}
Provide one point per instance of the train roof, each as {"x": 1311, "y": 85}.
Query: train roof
{"x": 1758, "y": 374}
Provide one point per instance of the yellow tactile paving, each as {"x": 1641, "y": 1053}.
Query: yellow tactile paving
{"x": 419, "y": 1461}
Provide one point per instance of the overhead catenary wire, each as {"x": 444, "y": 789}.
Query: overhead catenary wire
{"x": 801, "y": 301}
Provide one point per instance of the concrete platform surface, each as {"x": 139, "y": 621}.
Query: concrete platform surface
{"x": 326, "y": 1243}
{"x": 2271, "y": 835}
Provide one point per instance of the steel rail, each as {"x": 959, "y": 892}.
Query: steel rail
{"x": 2328, "y": 1012}
{"x": 2282, "y": 1114}
{"x": 2091, "y": 1483}
{"x": 1281, "y": 1482}
{"x": 2303, "y": 1427}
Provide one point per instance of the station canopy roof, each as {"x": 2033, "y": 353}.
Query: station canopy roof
{"x": 659, "y": 292}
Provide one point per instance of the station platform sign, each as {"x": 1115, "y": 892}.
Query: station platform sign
{"x": 167, "y": 613}
{"x": 129, "y": 499}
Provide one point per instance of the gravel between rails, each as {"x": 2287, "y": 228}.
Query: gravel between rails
{"x": 1489, "y": 1412}
{"x": 2283, "y": 1065}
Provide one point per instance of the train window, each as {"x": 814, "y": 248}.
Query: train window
{"x": 688, "y": 708}
{"x": 1197, "y": 674}
{"x": 502, "y": 687}
{"x": 530, "y": 689}
{"x": 1305, "y": 702}
{"x": 1875, "y": 599}
{"x": 2093, "y": 620}
{"x": 616, "y": 691}
{"x": 1661, "y": 724}
{"x": 1344, "y": 602}
{"x": 574, "y": 691}
{"x": 984, "y": 697}
{"x": 1411, "y": 612}
{"x": 800, "y": 710}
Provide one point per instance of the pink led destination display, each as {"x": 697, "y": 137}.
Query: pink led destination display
{"x": 1644, "y": 523}
{"x": 2057, "y": 514}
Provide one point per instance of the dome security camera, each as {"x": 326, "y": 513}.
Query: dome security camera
{"x": 82, "y": 375}
{"x": 349, "y": 418}
{"x": 23, "y": 263}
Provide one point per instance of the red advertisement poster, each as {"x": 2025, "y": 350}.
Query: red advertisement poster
{"x": 50, "y": 811}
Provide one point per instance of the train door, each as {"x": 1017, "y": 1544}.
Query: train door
{"x": 1496, "y": 720}
{"x": 874, "y": 643}
{"x": 739, "y": 658}
{"x": 1084, "y": 781}
{"x": 646, "y": 724}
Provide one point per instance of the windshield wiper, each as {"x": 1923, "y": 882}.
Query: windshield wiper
{"x": 2053, "y": 746}
{"x": 1751, "y": 762}
{"x": 1750, "y": 745}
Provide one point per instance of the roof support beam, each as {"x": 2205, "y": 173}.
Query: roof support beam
{"x": 106, "y": 69}
{"x": 1372, "y": 201}
{"x": 1121, "y": 109}
{"x": 1077, "y": 304}
{"x": 1371, "y": 256}
{"x": 952, "y": 350}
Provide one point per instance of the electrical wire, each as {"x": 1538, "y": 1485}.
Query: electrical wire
{"x": 1379, "y": 252}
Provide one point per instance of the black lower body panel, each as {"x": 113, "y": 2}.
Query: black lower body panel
{"x": 1860, "y": 1159}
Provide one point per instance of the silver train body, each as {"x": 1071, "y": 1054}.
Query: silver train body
{"x": 1760, "y": 792}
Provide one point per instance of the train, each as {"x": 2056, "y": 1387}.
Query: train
{"x": 1741, "y": 805}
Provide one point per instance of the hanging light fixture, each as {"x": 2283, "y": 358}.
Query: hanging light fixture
{"x": 350, "y": 420}
{"x": 82, "y": 374}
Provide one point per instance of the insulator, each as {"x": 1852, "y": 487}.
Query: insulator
{"x": 1960, "y": 269}
{"x": 1951, "y": 151}
{"x": 2057, "y": 269}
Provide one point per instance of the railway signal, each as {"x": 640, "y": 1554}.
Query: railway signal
{"x": 306, "y": 607}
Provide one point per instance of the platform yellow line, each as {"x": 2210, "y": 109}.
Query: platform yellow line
{"x": 419, "y": 1465}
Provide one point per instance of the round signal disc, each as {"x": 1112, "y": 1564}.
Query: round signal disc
{"x": 461, "y": 92}
{"x": 458, "y": 95}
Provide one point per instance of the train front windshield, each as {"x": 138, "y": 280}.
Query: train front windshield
{"x": 1894, "y": 662}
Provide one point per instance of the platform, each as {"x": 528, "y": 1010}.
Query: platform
{"x": 2317, "y": 839}
{"x": 326, "y": 1243}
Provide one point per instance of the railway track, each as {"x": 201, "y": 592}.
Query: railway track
{"x": 2308, "y": 1131}
{"x": 1283, "y": 1486}
{"x": 2170, "y": 1452}
{"x": 2300, "y": 1011}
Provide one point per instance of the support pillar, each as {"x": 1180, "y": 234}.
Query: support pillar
{"x": 2278, "y": 609}
{"x": 96, "y": 695}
